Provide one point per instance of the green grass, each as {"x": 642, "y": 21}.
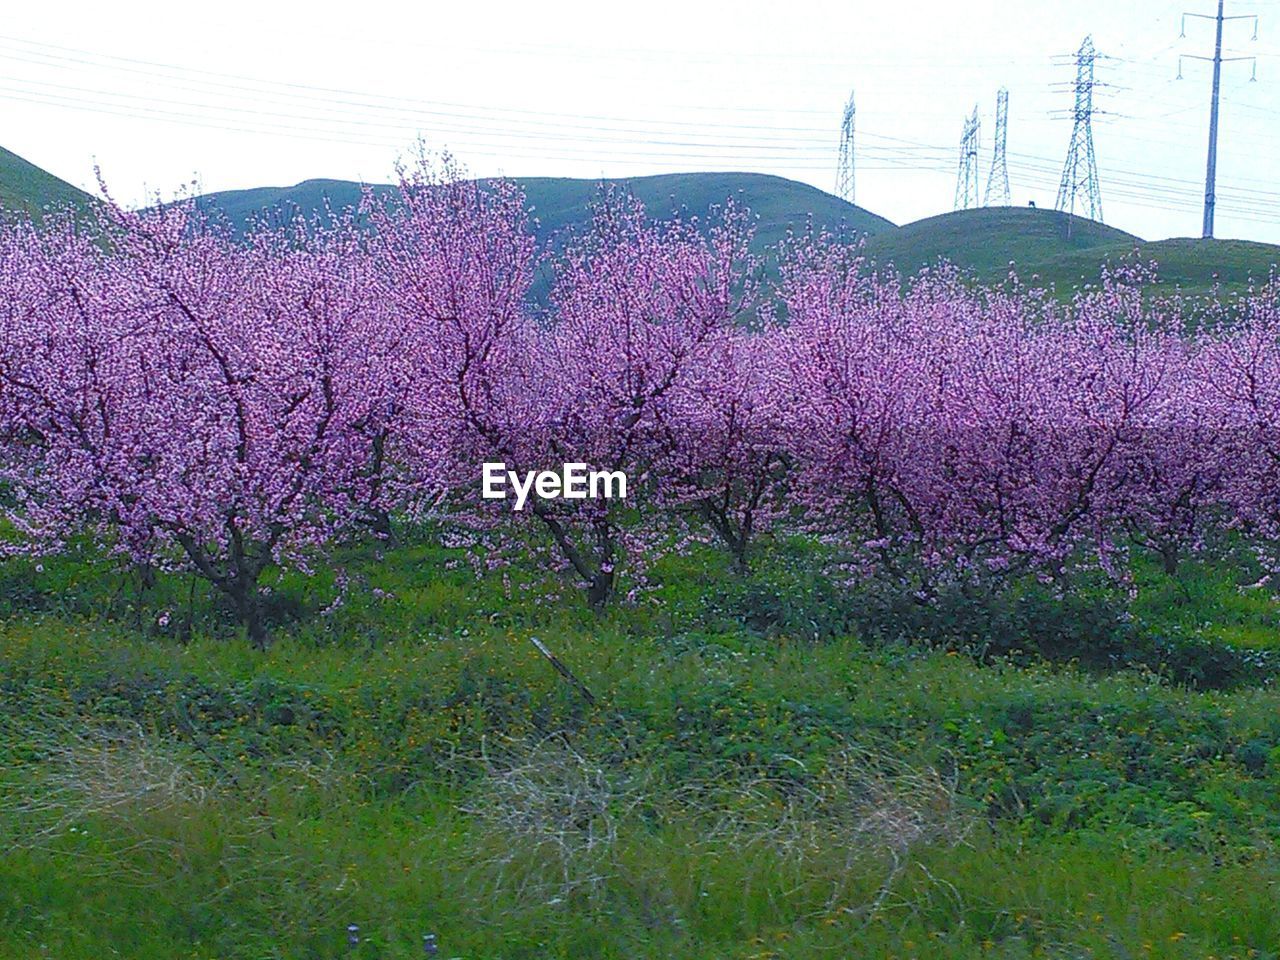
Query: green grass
{"x": 563, "y": 203}
{"x": 1045, "y": 247}
{"x": 1190, "y": 266}
{"x": 992, "y": 240}
{"x": 410, "y": 763}
{"x": 1036, "y": 244}
{"x": 26, "y": 188}
{"x": 1218, "y": 604}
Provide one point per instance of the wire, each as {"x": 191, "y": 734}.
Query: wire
{"x": 337, "y": 115}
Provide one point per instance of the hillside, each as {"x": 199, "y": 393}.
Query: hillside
{"x": 780, "y": 204}
{"x": 24, "y": 186}
{"x": 561, "y": 203}
{"x": 986, "y": 242}
{"x": 989, "y": 242}
{"x": 1189, "y": 264}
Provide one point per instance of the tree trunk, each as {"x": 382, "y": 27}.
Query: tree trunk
{"x": 379, "y": 522}
{"x": 243, "y": 591}
{"x": 146, "y": 574}
{"x": 599, "y": 591}
{"x": 237, "y": 578}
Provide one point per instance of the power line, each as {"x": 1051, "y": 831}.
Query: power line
{"x": 890, "y": 149}
{"x": 1138, "y": 184}
{"x": 630, "y": 142}
{"x": 512, "y": 117}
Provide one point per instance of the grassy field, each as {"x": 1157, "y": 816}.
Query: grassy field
{"x": 1191, "y": 266}
{"x": 765, "y": 770}
{"x": 993, "y": 240}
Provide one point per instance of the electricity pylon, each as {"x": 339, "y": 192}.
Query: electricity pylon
{"x": 967, "y": 170}
{"x": 998, "y": 176}
{"x": 1080, "y": 173}
{"x": 844, "y": 169}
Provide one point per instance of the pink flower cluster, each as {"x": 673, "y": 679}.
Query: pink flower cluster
{"x": 193, "y": 398}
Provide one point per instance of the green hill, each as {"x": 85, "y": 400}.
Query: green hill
{"x": 1192, "y": 265}
{"x": 25, "y": 187}
{"x": 780, "y": 204}
{"x": 561, "y": 203}
{"x": 1037, "y": 244}
{"x": 992, "y": 240}
{"x": 1042, "y": 246}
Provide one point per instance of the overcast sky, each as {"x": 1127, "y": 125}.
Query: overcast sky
{"x": 239, "y": 94}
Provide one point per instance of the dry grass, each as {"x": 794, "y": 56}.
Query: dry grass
{"x": 862, "y": 802}
{"x": 85, "y": 769}
{"x": 554, "y": 817}
{"x": 548, "y": 805}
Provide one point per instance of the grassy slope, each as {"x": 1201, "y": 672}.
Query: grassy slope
{"x": 989, "y": 240}
{"x": 992, "y": 241}
{"x": 561, "y": 202}
{"x": 25, "y": 187}
{"x": 327, "y": 782}
{"x": 780, "y": 204}
{"x": 986, "y": 242}
{"x": 1189, "y": 264}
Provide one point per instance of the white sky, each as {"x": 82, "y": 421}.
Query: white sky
{"x": 242, "y": 94}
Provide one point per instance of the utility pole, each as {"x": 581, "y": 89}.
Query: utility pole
{"x": 967, "y": 171}
{"x": 1211, "y": 165}
{"x": 844, "y": 169}
{"x": 1080, "y": 172}
{"x": 998, "y": 177}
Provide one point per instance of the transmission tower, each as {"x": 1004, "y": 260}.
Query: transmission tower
{"x": 844, "y": 170}
{"x": 1080, "y": 174}
{"x": 998, "y": 177}
{"x": 1211, "y": 166}
{"x": 967, "y": 171}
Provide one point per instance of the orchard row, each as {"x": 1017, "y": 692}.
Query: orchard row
{"x": 194, "y": 399}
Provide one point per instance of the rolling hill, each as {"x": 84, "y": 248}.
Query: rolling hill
{"x": 1042, "y": 246}
{"x": 1189, "y": 264}
{"x": 986, "y": 241}
{"x": 561, "y": 203}
{"x": 992, "y": 241}
{"x": 25, "y": 187}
